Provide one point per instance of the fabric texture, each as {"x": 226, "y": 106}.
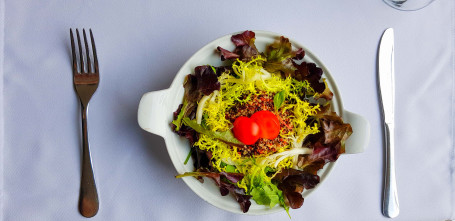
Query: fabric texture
{"x": 142, "y": 44}
{"x": 2, "y": 35}
{"x": 452, "y": 168}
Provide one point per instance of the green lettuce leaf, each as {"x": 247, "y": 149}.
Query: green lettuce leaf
{"x": 268, "y": 195}
{"x": 278, "y": 99}
{"x": 225, "y": 136}
{"x": 181, "y": 113}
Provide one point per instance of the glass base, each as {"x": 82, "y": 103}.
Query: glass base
{"x": 408, "y": 5}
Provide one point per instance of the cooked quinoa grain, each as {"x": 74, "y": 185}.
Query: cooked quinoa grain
{"x": 258, "y": 103}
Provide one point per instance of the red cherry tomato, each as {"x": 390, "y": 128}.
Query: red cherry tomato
{"x": 268, "y": 123}
{"x": 246, "y": 130}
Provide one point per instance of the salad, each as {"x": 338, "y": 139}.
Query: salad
{"x": 261, "y": 126}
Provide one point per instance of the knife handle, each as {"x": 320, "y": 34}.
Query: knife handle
{"x": 390, "y": 207}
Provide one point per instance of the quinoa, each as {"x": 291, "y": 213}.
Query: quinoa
{"x": 257, "y": 103}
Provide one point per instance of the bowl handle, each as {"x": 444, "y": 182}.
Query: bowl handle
{"x": 151, "y": 112}
{"x": 360, "y": 137}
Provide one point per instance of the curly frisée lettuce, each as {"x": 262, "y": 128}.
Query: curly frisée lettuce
{"x": 271, "y": 171}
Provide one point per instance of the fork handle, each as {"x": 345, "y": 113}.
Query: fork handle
{"x": 88, "y": 198}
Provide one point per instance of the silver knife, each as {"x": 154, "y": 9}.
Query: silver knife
{"x": 390, "y": 207}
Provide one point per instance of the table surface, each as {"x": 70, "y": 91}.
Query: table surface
{"x": 141, "y": 46}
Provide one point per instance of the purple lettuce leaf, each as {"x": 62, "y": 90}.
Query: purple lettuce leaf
{"x": 243, "y": 200}
{"x": 201, "y": 159}
{"x": 227, "y": 55}
{"x": 222, "y": 69}
{"x": 245, "y": 38}
{"x": 207, "y": 80}
{"x": 203, "y": 82}
{"x": 280, "y": 57}
{"x": 217, "y": 177}
{"x": 311, "y": 168}
{"x": 245, "y": 48}
{"x": 311, "y": 73}
{"x": 225, "y": 181}
{"x": 327, "y": 144}
{"x": 292, "y": 182}
{"x": 187, "y": 132}
{"x": 335, "y": 130}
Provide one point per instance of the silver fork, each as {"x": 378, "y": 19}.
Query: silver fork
{"x": 85, "y": 83}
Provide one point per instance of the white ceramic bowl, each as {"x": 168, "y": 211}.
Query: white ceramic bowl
{"x": 156, "y": 111}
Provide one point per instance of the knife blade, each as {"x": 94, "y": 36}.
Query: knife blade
{"x": 390, "y": 206}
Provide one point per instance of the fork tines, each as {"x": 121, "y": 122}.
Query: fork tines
{"x": 88, "y": 64}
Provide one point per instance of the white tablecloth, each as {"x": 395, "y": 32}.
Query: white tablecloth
{"x": 142, "y": 44}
